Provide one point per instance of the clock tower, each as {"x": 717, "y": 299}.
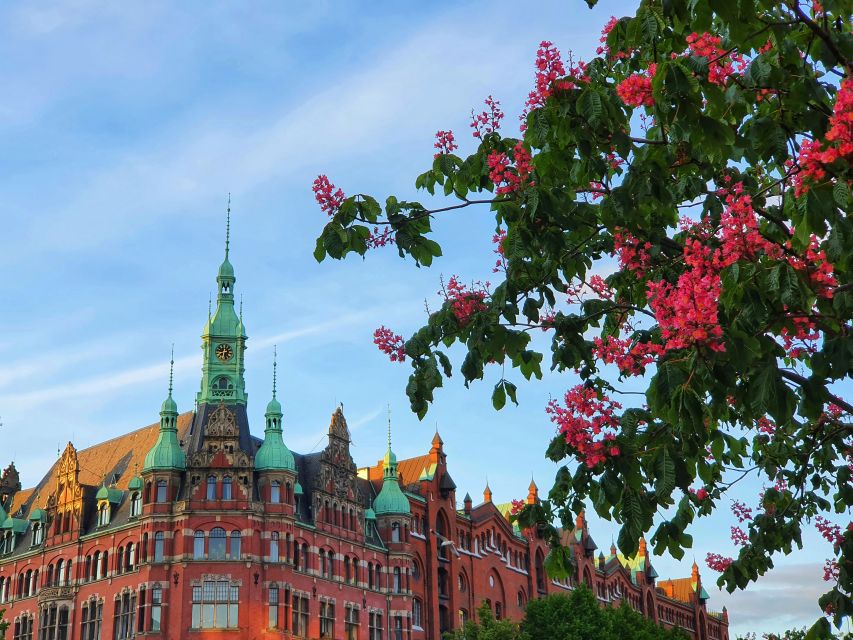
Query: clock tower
{"x": 223, "y": 342}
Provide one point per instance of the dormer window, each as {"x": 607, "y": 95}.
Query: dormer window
{"x": 38, "y": 533}
{"x": 103, "y": 514}
{"x": 135, "y": 504}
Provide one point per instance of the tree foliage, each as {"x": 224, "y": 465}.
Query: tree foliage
{"x": 576, "y": 616}
{"x": 704, "y": 160}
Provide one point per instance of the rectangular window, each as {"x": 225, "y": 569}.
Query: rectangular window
{"x": 351, "y": 623}
{"x": 273, "y": 606}
{"x": 125, "y": 609}
{"x": 159, "y": 546}
{"x": 215, "y": 606}
{"x": 23, "y": 628}
{"x": 327, "y": 619}
{"x": 300, "y": 616}
{"x": 156, "y": 608}
{"x": 398, "y": 627}
{"x": 375, "y": 626}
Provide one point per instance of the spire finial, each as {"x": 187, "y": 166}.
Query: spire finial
{"x": 389, "y": 426}
{"x": 241, "y": 308}
{"x": 274, "y": 366}
{"x": 209, "y": 305}
{"x": 171, "y": 369}
{"x": 228, "y": 226}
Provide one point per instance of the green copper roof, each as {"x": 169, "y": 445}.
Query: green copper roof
{"x": 3, "y": 515}
{"x": 370, "y": 514}
{"x": 111, "y": 494}
{"x": 297, "y": 489}
{"x": 17, "y": 525}
{"x": 38, "y": 515}
{"x": 273, "y": 454}
{"x": 391, "y": 498}
{"x": 135, "y": 484}
{"x": 166, "y": 454}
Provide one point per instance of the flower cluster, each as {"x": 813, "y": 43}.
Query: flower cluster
{"x": 377, "y": 238}
{"x": 390, "y": 343}
{"x": 820, "y": 271}
{"x": 445, "y": 143}
{"x": 740, "y": 238}
{"x": 739, "y": 537}
{"x": 741, "y": 511}
{"x": 830, "y": 531}
{"x": 632, "y": 253}
{"x": 716, "y": 562}
{"x": 605, "y": 31}
{"x": 630, "y": 358}
{"x": 831, "y": 571}
{"x": 498, "y": 241}
{"x": 687, "y": 312}
{"x": 700, "y": 495}
{"x": 814, "y": 157}
{"x": 510, "y": 175}
{"x": 588, "y": 423}
{"x": 517, "y": 506}
{"x": 721, "y": 63}
{"x": 487, "y": 121}
{"x": 636, "y": 89}
{"x": 464, "y": 301}
{"x": 766, "y": 426}
{"x": 549, "y": 73}
{"x": 801, "y": 340}
{"x": 329, "y": 198}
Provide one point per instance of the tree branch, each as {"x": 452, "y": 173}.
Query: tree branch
{"x": 802, "y": 381}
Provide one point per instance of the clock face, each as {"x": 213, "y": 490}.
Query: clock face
{"x": 224, "y": 352}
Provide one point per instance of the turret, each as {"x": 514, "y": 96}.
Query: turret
{"x": 532, "y": 493}
{"x": 273, "y": 454}
{"x": 166, "y": 454}
{"x": 391, "y": 499}
{"x": 487, "y": 493}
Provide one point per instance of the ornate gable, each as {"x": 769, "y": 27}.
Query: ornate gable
{"x": 221, "y": 442}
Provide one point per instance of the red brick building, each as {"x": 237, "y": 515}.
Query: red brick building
{"x": 195, "y": 528}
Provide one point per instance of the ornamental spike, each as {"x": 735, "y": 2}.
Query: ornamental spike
{"x": 228, "y": 226}
{"x": 274, "y": 366}
{"x": 171, "y": 369}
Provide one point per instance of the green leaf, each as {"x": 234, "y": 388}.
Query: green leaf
{"x": 499, "y": 396}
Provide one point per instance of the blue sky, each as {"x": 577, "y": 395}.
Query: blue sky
{"x": 124, "y": 125}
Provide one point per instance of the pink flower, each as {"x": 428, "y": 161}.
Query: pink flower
{"x": 329, "y": 199}
{"x": 465, "y": 302}
{"x": 716, "y": 562}
{"x": 636, "y": 91}
{"x": 588, "y": 423}
{"x": 487, "y": 121}
{"x": 445, "y": 143}
{"x": 390, "y": 343}
{"x": 508, "y": 175}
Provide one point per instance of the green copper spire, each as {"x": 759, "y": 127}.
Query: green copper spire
{"x": 167, "y": 453}
{"x": 391, "y": 498}
{"x": 224, "y": 339}
{"x": 273, "y": 454}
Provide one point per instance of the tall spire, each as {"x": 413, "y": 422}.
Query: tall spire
{"x": 389, "y": 426}
{"x": 171, "y": 370}
{"x": 391, "y": 498}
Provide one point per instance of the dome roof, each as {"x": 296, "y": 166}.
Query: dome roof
{"x": 135, "y": 484}
{"x": 369, "y": 514}
{"x": 166, "y": 454}
{"x": 391, "y": 498}
{"x": 169, "y": 406}
{"x": 108, "y": 493}
{"x": 297, "y": 489}
{"x": 274, "y": 455}
{"x": 226, "y": 271}
{"x": 274, "y": 407}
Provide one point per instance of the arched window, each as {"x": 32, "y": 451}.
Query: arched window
{"x": 198, "y": 545}
{"x": 370, "y": 575}
{"x": 103, "y": 514}
{"x": 130, "y": 559}
{"x": 416, "y": 570}
{"x": 273, "y": 606}
{"x": 235, "y": 545}
{"x": 135, "y": 504}
{"x": 347, "y": 570}
{"x": 221, "y": 386}
{"x": 274, "y": 553}
{"x": 354, "y": 571}
{"x": 226, "y": 488}
{"x": 211, "y": 487}
{"x": 378, "y": 580}
{"x": 397, "y": 580}
{"x": 216, "y": 544}
{"x": 119, "y": 560}
{"x": 275, "y": 492}
{"x": 162, "y": 491}
{"x": 159, "y": 546}
{"x": 105, "y": 564}
{"x": 59, "y": 575}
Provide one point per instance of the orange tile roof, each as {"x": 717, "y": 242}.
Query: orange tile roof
{"x": 96, "y": 461}
{"x": 409, "y": 469}
{"x": 678, "y": 589}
